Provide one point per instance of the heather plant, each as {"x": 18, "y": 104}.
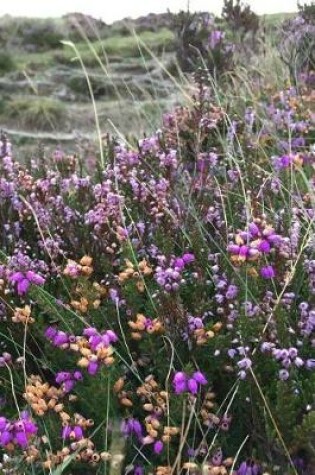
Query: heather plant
{"x": 242, "y": 21}
{"x": 202, "y": 43}
{"x": 157, "y": 305}
{"x": 296, "y": 44}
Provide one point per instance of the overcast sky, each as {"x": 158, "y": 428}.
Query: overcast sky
{"x": 111, "y": 10}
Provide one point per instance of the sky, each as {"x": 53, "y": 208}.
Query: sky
{"x": 111, "y": 10}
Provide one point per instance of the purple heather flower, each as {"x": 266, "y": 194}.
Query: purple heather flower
{"x": 249, "y": 468}
{"x": 180, "y": 387}
{"x": 233, "y": 248}
{"x": 215, "y": 38}
{"x": 5, "y": 438}
{"x": 310, "y": 364}
{"x": 66, "y": 432}
{"x": 188, "y": 258}
{"x": 253, "y": 229}
{"x": 158, "y": 447}
{"x": 34, "y": 278}
{"x": 78, "y": 375}
{"x": 93, "y": 368}
{"x": 267, "y": 272}
{"x": 21, "y": 439}
{"x": 245, "y": 363}
{"x": 264, "y": 247}
{"x": 179, "y": 377}
{"x": 73, "y": 432}
{"x": 138, "y": 470}
{"x": 284, "y": 374}
{"x": 3, "y": 423}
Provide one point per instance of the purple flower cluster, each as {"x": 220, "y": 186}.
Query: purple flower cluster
{"x": 72, "y": 432}
{"x": 17, "y": 432}
{"x": 93, "y": 343}
{"x": 132, "y": 426}
{"x": 307, "y": 320}
{"x": 258, "y": 240}
{"x": 244, "y": 363}
{"x": 170, "y": 276}
{"x": 288, "y": 358}
{"x": 310, "y": 269}
{"x": 249, "y": 467}
{"x": 184, "y": 383}
{"x": 23, "y": 281}
{"x": 68, "y": 379}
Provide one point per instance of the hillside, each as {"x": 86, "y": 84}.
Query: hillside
{"x": 44, "y": 90}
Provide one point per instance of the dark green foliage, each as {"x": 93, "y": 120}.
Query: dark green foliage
{"x": 240, "y": 17}
{"x": 6, "y": 62}
{"x": 40, "y": 35}
{"x": 201, "y": 43}
{"x": 307, "y": 11}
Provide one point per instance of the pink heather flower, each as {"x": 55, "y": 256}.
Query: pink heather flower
{"x": 267, "y": 272}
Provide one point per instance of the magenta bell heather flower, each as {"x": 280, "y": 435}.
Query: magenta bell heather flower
{"x": 183, "y": 383}
{"x": 200, "y": 378}
{"x": 180, "y": 382}
{"x": 192, "y": 386}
